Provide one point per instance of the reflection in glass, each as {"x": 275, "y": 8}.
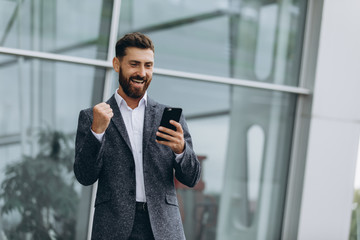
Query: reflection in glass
{"x": 266, "y": 41}
{"x": 171, "y": 10}
{"x": 253, "y": 40}
{"x": 255, "y": 152}
{"x": 39, "y": 197}
{"x": 259, "y": 156}
{"x": 200, "y": 46}
{"x": 57, "y": 26}
{"x": 198, "y": 99}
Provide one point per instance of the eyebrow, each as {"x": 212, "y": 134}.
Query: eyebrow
{"x": 135, "y": 61}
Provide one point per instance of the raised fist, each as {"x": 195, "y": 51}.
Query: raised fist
{"x": 102, "y": 114}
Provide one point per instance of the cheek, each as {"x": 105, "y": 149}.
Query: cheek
{"x": 129, "y": 74}
{"x": 149, "y": 75}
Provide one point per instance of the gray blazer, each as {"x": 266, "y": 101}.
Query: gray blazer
{"x": 111, "y": 163}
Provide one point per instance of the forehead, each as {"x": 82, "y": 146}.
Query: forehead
{"x": 139, "y": 54}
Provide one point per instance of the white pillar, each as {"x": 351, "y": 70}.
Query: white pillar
{"x": 335, "y": 126}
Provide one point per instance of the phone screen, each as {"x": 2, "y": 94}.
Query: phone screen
{"x": 169, "y": 114}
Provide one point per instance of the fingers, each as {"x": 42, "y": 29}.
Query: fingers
{"x": 179, "y": 130}
{"x": 178, "y": 126}
{"x": 168, "y": 137}
{"x": 103, "y": 109}
{"x": 102, "y": 114}
{"x": 175, "y": 138}
{"x": 176, "y": 144}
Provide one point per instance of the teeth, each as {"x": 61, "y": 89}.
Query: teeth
{"x": 137, "y": 81}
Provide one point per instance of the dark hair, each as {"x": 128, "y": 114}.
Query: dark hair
{"x": 135, "y": 39}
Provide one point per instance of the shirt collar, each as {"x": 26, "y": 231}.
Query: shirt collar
{"x": 120, "y": 100}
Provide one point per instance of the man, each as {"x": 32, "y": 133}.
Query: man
{"x": 116, "y": 145}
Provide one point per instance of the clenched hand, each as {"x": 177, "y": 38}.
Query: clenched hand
{"x": 102, "y": 114}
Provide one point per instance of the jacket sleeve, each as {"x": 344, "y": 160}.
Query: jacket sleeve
{"x": 88, "y": 151}
{"x": 187, "y": 168}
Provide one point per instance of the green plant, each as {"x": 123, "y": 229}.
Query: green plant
{"x": 355, "y": 224}
{"x": 41, "y": 190}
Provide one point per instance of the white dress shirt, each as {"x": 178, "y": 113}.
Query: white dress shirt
{"x": 134, "y": 122}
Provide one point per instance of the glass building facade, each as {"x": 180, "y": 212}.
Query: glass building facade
{"x": 232, "y": 65}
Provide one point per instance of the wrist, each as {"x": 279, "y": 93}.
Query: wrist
{"x": 97, "y": 130}
{"x": 180, "y": 150}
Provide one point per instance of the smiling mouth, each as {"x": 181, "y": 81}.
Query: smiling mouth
{"x": 139, "y": 81}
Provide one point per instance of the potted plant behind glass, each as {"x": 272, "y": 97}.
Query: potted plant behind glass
{"x": 41, "y": 190}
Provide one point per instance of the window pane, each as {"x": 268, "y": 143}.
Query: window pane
{"x": 171, "y": 10}
{"x": 258, "y": 155}
{"x": 267, "y": 41}
{"x": 39, "y": 196}
{"x": 210, "y": 98}
{"x": 253, "y": 40}
{"x": 56, "y": 26}
{"x": 157, "y": 15}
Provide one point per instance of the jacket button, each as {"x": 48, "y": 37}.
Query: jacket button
{"x": 131, "y": 169}
{"x": 132, "y": 192}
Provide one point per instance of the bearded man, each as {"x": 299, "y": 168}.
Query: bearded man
{"x": 116, "y": 145}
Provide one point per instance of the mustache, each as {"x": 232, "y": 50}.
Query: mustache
{"x": 138, "y": 78}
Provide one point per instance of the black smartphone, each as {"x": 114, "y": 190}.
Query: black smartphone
{"x": 169, "y": 114}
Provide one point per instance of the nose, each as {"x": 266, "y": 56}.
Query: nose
{"x": 142, "y": 71}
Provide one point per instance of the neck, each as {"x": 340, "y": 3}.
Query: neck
{"x": 131, "y": 102}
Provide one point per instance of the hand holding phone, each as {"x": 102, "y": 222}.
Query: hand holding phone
{"x": 169, "y": 114}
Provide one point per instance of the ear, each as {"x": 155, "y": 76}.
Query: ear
{"x": 116, "y": 64}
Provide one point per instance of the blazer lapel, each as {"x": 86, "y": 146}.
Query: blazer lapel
{"x": 150, "y": 122}
{"x": 118, "y": 120}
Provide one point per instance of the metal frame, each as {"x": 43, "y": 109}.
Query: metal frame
{"x": 160, "y": 71}
{"x": 232, "y": 81}
{"x": 54, "y": 57}
{"x": 304, "y": 91}
{"x": 115, "y": 19}
{"x": 302, "y": 122}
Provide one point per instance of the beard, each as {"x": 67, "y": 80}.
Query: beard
{"x": 130, "y": 90}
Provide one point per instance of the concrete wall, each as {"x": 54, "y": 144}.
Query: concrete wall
{"x": 335, "y": 126}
